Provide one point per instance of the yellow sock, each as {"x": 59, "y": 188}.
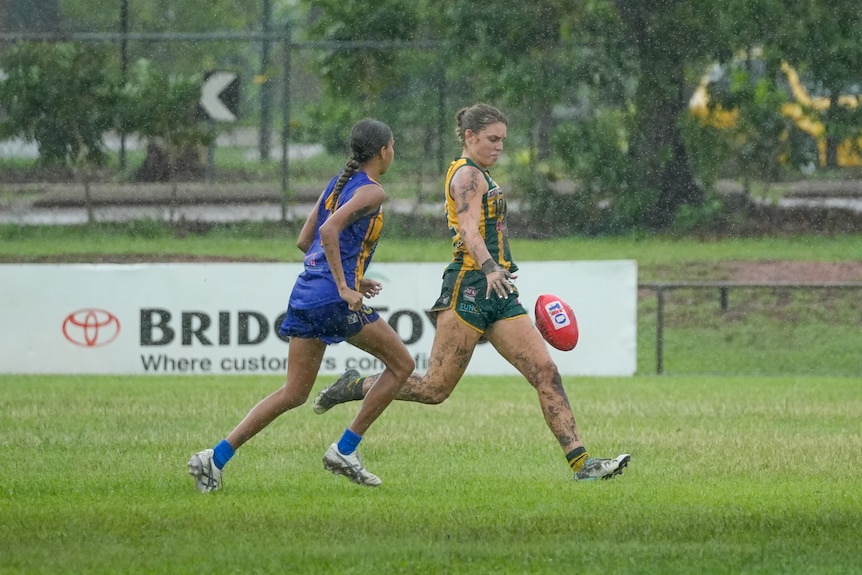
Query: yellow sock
{"x": 577, "y": 457}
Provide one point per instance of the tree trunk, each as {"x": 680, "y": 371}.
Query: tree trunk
{"x": 832, "y": 139}
{"x": 544, "y": 123}
{"x": 657, "y": 151}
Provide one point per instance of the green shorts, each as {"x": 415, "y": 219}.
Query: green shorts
{"x": 463, "y": 292}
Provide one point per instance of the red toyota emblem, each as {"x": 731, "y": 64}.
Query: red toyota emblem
{"x": 91, "y": 327}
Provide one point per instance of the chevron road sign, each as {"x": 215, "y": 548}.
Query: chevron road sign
{"x": 220, "y": 96}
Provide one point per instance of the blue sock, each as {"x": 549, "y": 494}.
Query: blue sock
{"x": 222, "y": 453}
{"x": 348, "y": 442}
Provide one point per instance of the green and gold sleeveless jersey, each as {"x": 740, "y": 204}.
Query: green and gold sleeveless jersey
{"x": 492, "y": 226}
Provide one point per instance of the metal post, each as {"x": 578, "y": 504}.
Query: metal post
{"x": 722, "y": 296}
{"x": 659, "y": 330}
{"x": 209, "y": 174}
{"x": 285, "y": 121}
{"x": 265, "y": 86}
{"x": 124, "y": 68}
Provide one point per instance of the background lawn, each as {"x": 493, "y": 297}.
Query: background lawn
{"x": 728, "y": 475}
{"x": 745, "y": 453}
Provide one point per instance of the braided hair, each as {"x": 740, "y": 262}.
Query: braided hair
{"x": 476, "y": 118}
{"x": 367, "y": 137}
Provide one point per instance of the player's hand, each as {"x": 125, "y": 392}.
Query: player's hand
{"x": 352, "y": 297}
{"x": 500, "y": 282}
{"x": 369, "y": 288}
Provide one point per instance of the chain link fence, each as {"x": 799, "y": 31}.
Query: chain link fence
{"x": 266, "y": 155}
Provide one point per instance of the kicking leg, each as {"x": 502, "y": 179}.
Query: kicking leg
{"x": 451, "y": 351}
{"x": 519, "y": 341}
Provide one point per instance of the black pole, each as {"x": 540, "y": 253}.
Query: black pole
{"x": 285, "y": 121}
{"x": 124, "y": 70}
{"x": 659, "y": 330}
{"x": 265, "y": 85}
{"x": 209, "y": 171}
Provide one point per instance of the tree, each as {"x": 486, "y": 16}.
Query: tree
{"x": 533, "y": 58}
{"x": 400, "y": 86}
{"x": 509, "y": 53}
{"x": 667, "y": 35}
{"x": 368, "y": 71}
{"x": 162, "y": 108}
{"x": 177, "y": 55}
{"x": 171, "y": 16}
{"x": 62, "y": 96}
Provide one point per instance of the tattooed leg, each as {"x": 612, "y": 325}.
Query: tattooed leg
{"x": 450, "y": 354}
{"x": 519, "y": 342}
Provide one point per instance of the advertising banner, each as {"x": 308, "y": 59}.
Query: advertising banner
{"x": 223, "y": 318}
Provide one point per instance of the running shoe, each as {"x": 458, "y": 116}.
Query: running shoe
{"x": 203, "y": 469}
{"x": 602, "y": 468}
{"x": 344, "y": 389}
{"x": 349, "y": 466}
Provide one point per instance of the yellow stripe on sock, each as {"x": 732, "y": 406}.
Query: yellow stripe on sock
{"x": 578, "y": 462}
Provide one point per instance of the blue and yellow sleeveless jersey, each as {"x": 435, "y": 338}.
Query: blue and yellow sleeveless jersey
{"x": 315, "y": 285}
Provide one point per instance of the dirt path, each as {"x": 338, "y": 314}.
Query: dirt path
{"x": 784, "y": 271}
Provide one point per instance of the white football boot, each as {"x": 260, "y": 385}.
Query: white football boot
{"x": 203, "y": 469}
{"x": 349, "y": 466}
{"x": 602, "y": 468}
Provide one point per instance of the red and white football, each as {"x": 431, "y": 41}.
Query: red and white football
{"x": 556, "y": 322}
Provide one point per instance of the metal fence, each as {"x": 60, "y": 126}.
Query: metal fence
{"x": 287, "y": 80}
{"x": 280, "y": 81}
{"x": 723, "y": 291}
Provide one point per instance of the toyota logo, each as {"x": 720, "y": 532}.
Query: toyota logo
{"x": 91, "y": 327}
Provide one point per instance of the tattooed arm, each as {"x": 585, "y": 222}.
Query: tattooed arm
{"x": 467, "y": 188}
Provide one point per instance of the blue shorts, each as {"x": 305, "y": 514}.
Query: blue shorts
{"x": 330, "y": 323}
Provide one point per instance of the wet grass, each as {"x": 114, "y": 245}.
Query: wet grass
{"x": 740, "y": 451}
{"x": 728, "y": 475}
{"x": 658, "y": 258}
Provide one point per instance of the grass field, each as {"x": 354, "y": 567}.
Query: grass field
{"x": 745, "y": 455}
{"x": 658, "y": 258}
{"x": 728, "y": 475}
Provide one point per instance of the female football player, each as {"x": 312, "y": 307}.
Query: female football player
{"x": 326, "y": 307}
{"x": 479, "y": 299}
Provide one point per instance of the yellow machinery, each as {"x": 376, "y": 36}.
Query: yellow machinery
{"x": 803, "y": 109}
